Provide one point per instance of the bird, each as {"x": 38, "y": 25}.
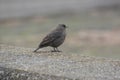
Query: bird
{"x": 54, "y": 39}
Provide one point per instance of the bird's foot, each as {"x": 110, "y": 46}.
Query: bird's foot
{"x": 55, "y": 51}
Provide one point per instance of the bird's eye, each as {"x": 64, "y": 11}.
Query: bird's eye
{"x": 64, "y": 26}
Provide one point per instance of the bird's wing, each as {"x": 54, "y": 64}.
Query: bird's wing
{"x": 50, "y": 38}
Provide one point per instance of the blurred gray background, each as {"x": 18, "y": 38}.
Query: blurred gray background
{"x": 24, "y": 8}
{"x": 94, "y": 25}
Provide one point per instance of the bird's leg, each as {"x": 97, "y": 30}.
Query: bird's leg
{"x": 54, "y": 50}
{"x": 36, "y": 49}
{"x": 58, "y": 50}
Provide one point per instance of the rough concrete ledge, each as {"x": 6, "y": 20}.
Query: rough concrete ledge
{"x": 44, "y": 65}
{"x": 14, "y": 74}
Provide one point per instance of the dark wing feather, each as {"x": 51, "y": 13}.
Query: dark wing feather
{"x": 50, "y": 38}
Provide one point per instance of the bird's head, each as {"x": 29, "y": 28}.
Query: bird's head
{"x": 63, "y": 26}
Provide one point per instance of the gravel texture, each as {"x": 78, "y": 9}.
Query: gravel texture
{"x": 72, "y": 66}
{"x": 14, "y": 74}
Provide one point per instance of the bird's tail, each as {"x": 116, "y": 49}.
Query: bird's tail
{"x": 36, "y": 49}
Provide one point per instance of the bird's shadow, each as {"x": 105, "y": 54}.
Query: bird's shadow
{"x": 46, "y": 52}
{"x": 43, "y": 52}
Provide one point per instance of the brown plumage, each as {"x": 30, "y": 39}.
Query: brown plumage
{"x": 54, "y": 39}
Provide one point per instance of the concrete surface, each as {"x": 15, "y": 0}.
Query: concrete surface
{"x": 62, "y": 66}
{"x": 14, "y": 74}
